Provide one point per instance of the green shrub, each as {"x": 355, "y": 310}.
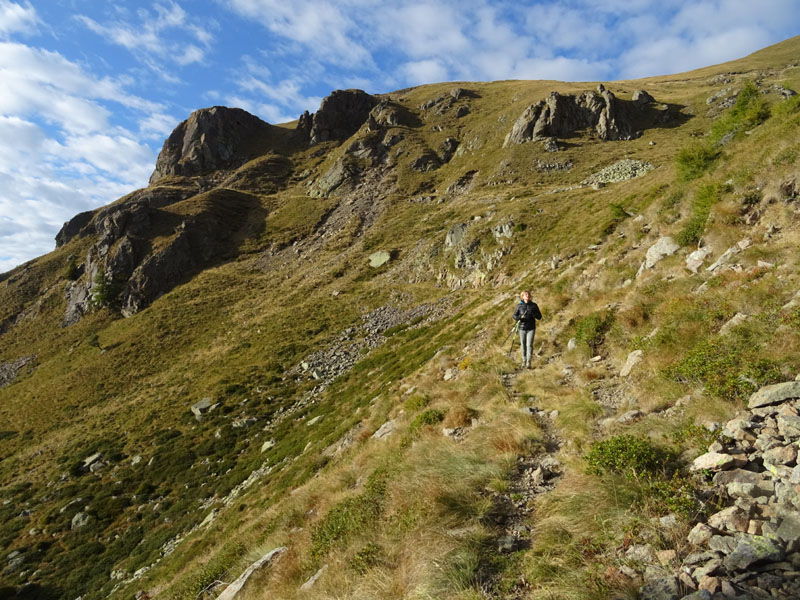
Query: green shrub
{"x": 692, "y": 161}
{"x": 369, "y": 556}
{"x": 704, "y": 198}
{"x": 432, "y": 416}
{"x": 72, "y": 272}
{"x": 730, "y": 369}
{"x": 592, "y": 329}
{"x": 416, "y": 402}
{"x": 633, "y": 457}
{"x": 677, "y": 494}
{"x": 105, "y": 292}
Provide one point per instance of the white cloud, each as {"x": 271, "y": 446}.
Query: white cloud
{"x": 17, "y": 18}
{"x": 271, "y": 113}
{"x": 322, "y": 29}
{"x": 424, "y": 71}
{"x": 155, "y": 38}
{"x": 191, "y": 54}
{"x": 62, "y": 154}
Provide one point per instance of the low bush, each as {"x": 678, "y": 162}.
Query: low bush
{"x": 416, "y": 402}
{"x": 432, "y": 416}
{"x": 633, "y": 457}
{"x": 691, "y": 162}
{"x": 592, "y": 329}
{"x": 654, "y": 470}
{"x": 749, "y": 111}
{"x": 729, "y": 369}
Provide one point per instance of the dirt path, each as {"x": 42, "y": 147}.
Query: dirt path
{"x": 536, "y": 472}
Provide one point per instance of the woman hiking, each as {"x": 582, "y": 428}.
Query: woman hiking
{"x": 526, "y": 313}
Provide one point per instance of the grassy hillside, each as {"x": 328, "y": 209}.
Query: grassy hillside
{"x": 178, "y": 505}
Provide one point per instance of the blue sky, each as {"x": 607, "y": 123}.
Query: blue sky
{"x": 89, "y": 89}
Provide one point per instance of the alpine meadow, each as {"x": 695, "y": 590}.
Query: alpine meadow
{"x": 282, "y": 369}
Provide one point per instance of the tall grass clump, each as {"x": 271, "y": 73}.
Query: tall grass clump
{"x": 704, "y": 198}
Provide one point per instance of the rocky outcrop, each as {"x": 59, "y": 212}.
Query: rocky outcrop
{"x": 212, "y": 139}
{"x": 9, "y": 371}
{"x": 339, "y": 116}
{"x": 561, "y": 116}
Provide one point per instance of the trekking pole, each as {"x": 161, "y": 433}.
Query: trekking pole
{"x": 511, "y": 335}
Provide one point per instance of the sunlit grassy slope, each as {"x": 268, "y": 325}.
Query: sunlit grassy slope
{"x": 414, "y": 515}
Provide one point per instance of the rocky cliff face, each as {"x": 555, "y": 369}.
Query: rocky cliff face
{"x": 152, "y": 241}
{"x": 212, "y": 139}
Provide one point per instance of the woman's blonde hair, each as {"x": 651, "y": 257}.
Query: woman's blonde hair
{"x": 523, "y": 292}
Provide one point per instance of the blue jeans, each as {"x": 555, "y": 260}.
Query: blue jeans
{"x": 526, "y": 340}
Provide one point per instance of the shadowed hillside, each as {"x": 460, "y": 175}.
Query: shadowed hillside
{"x": 293, "y": 346}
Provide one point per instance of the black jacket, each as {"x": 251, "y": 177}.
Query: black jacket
{"x": 526, "y": 314}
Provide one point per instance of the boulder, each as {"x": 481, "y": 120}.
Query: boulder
{"x": 81, "y": 519}
{"x": 663, "y": 588}
{"x": 203, "y": 407}
{"x": 232, "y": 591}
{"x": 211, "y": 139}
{"x": 664, "y": 247}
{"x": 455, "y": 235}
{"x": 732, "y": 518}
{"x": 789, "y": 426}
{"x": 641, "y": 99}
{"x": 700, "y": 534}
{"x": 313, "y": 579}
{"x": 734, "y": 321}
{"x": 385, "y": 430}
{"x": 713, "y": 461}
{"x": 634, "y": 358}
{"x": 751, "y": 550}
{"x": 695, "y": 260}
{"x": 775, "y": 394}
{"x": 379, "y": 258}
